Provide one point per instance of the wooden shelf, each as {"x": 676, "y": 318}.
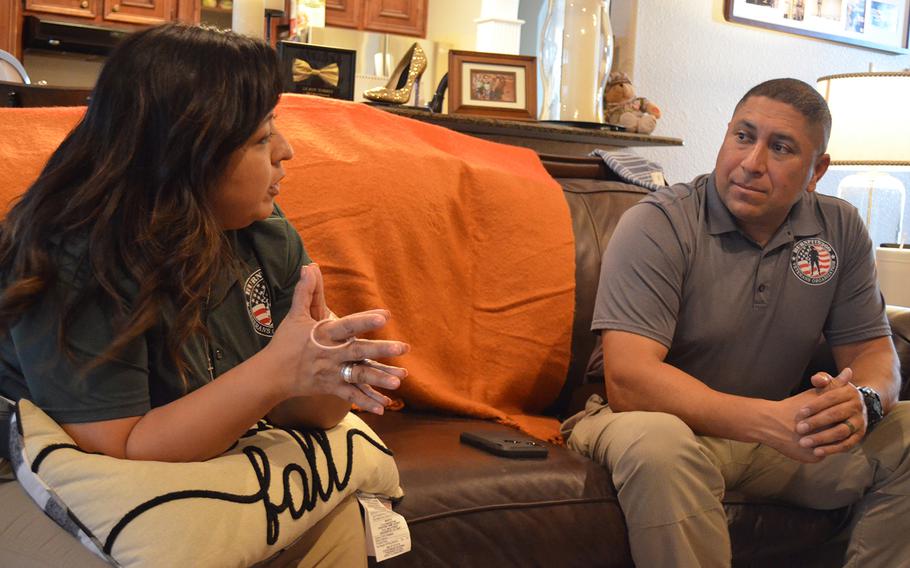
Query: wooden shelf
{"x": 543, "y": 137}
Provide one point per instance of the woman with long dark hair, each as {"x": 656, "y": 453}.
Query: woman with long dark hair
{"x": 155, "y": 301}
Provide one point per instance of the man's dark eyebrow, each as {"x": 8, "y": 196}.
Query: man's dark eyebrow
{"x": 780, "y": 137}
{"x": 743, "y": 123}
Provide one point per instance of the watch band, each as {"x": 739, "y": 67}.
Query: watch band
{"x": 873, "y": 402}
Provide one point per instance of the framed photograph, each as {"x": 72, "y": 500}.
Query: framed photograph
{"x": 876, "y": 24}
{"x": 317, "y": 70}
{"x": 493, "y": 84}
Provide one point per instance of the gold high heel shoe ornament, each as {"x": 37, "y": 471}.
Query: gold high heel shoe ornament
{"x": 408, "y": 72}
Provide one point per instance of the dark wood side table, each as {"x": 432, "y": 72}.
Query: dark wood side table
{"x": 543, "y": 137}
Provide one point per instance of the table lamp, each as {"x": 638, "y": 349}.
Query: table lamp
{"x": 871, "y": 131}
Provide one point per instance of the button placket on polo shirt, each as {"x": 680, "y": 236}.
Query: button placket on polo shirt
{"x": 760, "y": 286}
{"x": 773, "y": 255}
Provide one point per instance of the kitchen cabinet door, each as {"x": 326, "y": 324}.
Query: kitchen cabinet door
{"x": 146, "y": 12}
{"x": 344, "y": 13}
{"x": 406, "y": 17}
{"x": 78, "y": 8}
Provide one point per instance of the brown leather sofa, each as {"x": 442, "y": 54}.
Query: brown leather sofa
{"x": 468, "y": 508}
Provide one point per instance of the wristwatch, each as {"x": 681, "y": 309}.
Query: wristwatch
{"x": 874, "y": 412}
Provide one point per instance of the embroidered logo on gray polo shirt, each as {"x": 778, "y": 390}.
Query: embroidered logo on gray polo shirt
{"x": 813, "y": 261}
{"x": 259, "y": 304}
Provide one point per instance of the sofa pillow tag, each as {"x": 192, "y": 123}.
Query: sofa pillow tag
{"x": 387, "y": 533}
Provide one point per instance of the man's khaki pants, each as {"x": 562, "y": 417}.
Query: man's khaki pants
{"x": 670, "y": 484}
{"x": 30, "y": 539}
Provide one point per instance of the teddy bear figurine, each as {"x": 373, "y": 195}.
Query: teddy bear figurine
{"x": 622, "y": 107}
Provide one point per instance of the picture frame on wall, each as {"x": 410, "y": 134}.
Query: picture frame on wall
{"x": 317, "y": 69}
{"x": 883, "y": 25}
{"x": 494, "y": 85}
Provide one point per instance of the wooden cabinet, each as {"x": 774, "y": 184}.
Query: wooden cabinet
{"x": 143, "y": 12}
{"x": 140, "y": 11}
{"x": 125, "y": 15}
{"x": 77, "y": 8}
{"x": 344, "y": 13}
{"x": 405, "y": 17}
{"x": 9, "y": 27}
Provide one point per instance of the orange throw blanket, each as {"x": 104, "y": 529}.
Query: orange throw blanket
{"x": 467, "y": 242}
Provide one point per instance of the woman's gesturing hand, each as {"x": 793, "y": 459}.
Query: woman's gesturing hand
{"x": 329, "y": 359}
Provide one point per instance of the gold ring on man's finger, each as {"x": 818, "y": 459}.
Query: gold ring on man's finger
{"x": 850, "y": 426}
{"x": 347, "y": 372}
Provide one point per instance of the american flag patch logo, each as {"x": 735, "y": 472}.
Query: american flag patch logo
{"x": 813, "y": 261}
{"x": 259, "y": 304}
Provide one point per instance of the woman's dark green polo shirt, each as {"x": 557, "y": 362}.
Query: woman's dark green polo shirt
{"x": 241, "y": 317}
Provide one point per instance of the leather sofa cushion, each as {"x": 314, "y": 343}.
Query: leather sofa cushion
{"x": 466, "y": 507}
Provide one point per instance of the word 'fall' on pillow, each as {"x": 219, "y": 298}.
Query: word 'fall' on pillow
{"x": 236, "y": 509}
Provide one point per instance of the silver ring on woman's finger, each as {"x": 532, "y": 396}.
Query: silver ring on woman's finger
{"x": 347, "y": 372}
{"x": 850, "y": 426}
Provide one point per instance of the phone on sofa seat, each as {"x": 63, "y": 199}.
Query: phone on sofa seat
{"x": 505, "y": 443}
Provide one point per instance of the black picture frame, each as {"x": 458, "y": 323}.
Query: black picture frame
{"x": 863, "y": 23}
{"x": 321, "y": 66}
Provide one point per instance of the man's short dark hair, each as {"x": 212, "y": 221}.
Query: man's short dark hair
{"x": 801, "y": 96}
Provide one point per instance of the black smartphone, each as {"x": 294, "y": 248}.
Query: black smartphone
{"x": 504, "y": 443}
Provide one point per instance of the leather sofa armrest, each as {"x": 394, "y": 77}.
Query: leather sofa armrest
{"x": 900, "y": 334}
{"x": 899, "y": 317}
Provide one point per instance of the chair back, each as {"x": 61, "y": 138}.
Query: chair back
{"x": 22, "y": 95}
{"x": 11, "y": 70}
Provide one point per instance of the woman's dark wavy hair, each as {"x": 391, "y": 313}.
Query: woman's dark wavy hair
{"x": 134, "y": 178}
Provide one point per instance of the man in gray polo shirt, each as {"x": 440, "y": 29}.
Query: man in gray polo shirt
{"x": 712, "y": 298}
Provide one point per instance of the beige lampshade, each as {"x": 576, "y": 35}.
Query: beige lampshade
{"x": 870, "y": 118}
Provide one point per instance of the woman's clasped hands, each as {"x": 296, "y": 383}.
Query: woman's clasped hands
{"x": 324, "y": 354}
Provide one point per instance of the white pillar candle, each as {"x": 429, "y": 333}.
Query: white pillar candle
{"x": 248, "y": 18}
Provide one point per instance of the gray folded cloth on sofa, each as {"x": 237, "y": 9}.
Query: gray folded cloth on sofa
{"x": 633, "y": 169}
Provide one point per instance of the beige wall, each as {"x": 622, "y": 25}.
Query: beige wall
{"x": 452, "y": 22}
{"x": 696, "y": 66}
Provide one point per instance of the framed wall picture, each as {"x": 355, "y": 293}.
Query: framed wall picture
{"x": 493, "y": 84}
{"x": 876, "y": 24}
{"x": 317, "y": 70}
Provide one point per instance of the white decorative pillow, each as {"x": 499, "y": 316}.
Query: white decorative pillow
{"x": 233, "y": 510}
